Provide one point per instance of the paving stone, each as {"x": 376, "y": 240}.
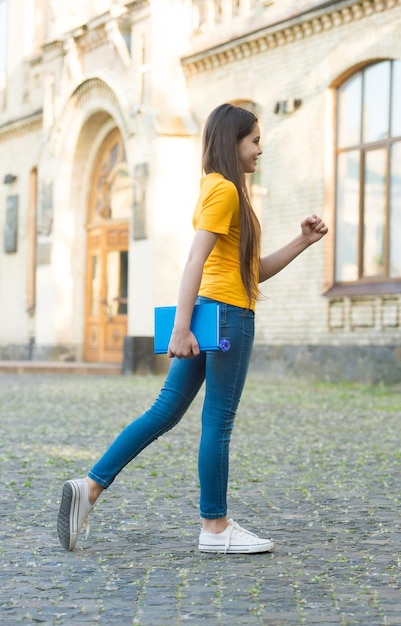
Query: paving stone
{"x": 315, "y": 467}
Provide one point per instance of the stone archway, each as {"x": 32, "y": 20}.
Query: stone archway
{"x": 90, "y": 115}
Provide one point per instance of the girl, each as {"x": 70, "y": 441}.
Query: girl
{"x": 223, "y": 265}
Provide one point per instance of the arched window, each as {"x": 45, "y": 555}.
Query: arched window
{"x": 110, "y": 197}
{"x": 368, "y": 178}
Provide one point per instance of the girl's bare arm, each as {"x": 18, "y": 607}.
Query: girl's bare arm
{"x": 312, "y": 230}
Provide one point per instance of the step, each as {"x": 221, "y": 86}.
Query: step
{"x": 59, "y": 367}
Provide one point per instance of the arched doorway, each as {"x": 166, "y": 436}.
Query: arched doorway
{"x": 110, "y": 201}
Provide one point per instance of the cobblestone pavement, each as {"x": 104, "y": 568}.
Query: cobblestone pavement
{"x": 316, "y": 467}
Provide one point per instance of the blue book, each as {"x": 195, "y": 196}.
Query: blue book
{"x": 205, "y": 325}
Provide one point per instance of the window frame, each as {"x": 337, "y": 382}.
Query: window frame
{"x": 364, "y": 285}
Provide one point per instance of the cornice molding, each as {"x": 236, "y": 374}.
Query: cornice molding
{"x": 90, "y": 39}
{"x": 94, "y": 33}
{"x": 21, "y": 126}
{"x": 53, "y": 46}
{"x": 287, "y": 31}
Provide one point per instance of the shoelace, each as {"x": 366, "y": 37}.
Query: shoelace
{"x": 87, "y": 527}
{"x": 234, "y": 526}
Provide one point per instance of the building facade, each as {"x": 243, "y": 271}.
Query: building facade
{"x": 102, "y": 105}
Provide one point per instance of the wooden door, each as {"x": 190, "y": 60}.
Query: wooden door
{"x": 110, "y": 202}
{"x": 107, "y": 290}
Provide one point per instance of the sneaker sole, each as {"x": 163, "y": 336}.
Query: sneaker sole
{"x": 66, "y": 515}
{"x": 263, "y": 547}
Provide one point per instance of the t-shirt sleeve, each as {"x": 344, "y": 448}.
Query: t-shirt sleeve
{"x": 218, "y": 207}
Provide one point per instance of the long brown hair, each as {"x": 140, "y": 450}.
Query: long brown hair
{"x": 225, "y": 127}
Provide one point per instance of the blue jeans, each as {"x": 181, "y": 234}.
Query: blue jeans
{"x": 225, "y": 375}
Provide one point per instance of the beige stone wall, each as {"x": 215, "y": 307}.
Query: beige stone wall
{"x": 19, "y": 151}
{"x": 62, "y": 98}
{"x": 86, "y": 81}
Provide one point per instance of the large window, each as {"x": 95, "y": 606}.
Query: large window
{"x": 368, "y": 187}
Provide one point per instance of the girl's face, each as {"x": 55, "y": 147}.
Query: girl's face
{"x": 249, "y": 150}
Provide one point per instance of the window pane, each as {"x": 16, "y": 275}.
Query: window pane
{"x": 395, "y": 212}
{"x": 123, "y": 303}
{"x": 95, "y": 286}
{"x": 113, "y": 281}
{"x": 396, "y": 104}
{"x": 347, "y": 216}
{"x": 374, "y": 213}
{"x": 376, "y": 102}
{"x": 117, "y": 282}
{"x": 349, "y": 112}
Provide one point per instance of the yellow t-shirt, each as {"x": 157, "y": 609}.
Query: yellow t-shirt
{"x": 218, "y": 211}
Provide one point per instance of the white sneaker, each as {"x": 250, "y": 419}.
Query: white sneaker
{"x": 233, "y": 540}
{"x": 73, "y": 513}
